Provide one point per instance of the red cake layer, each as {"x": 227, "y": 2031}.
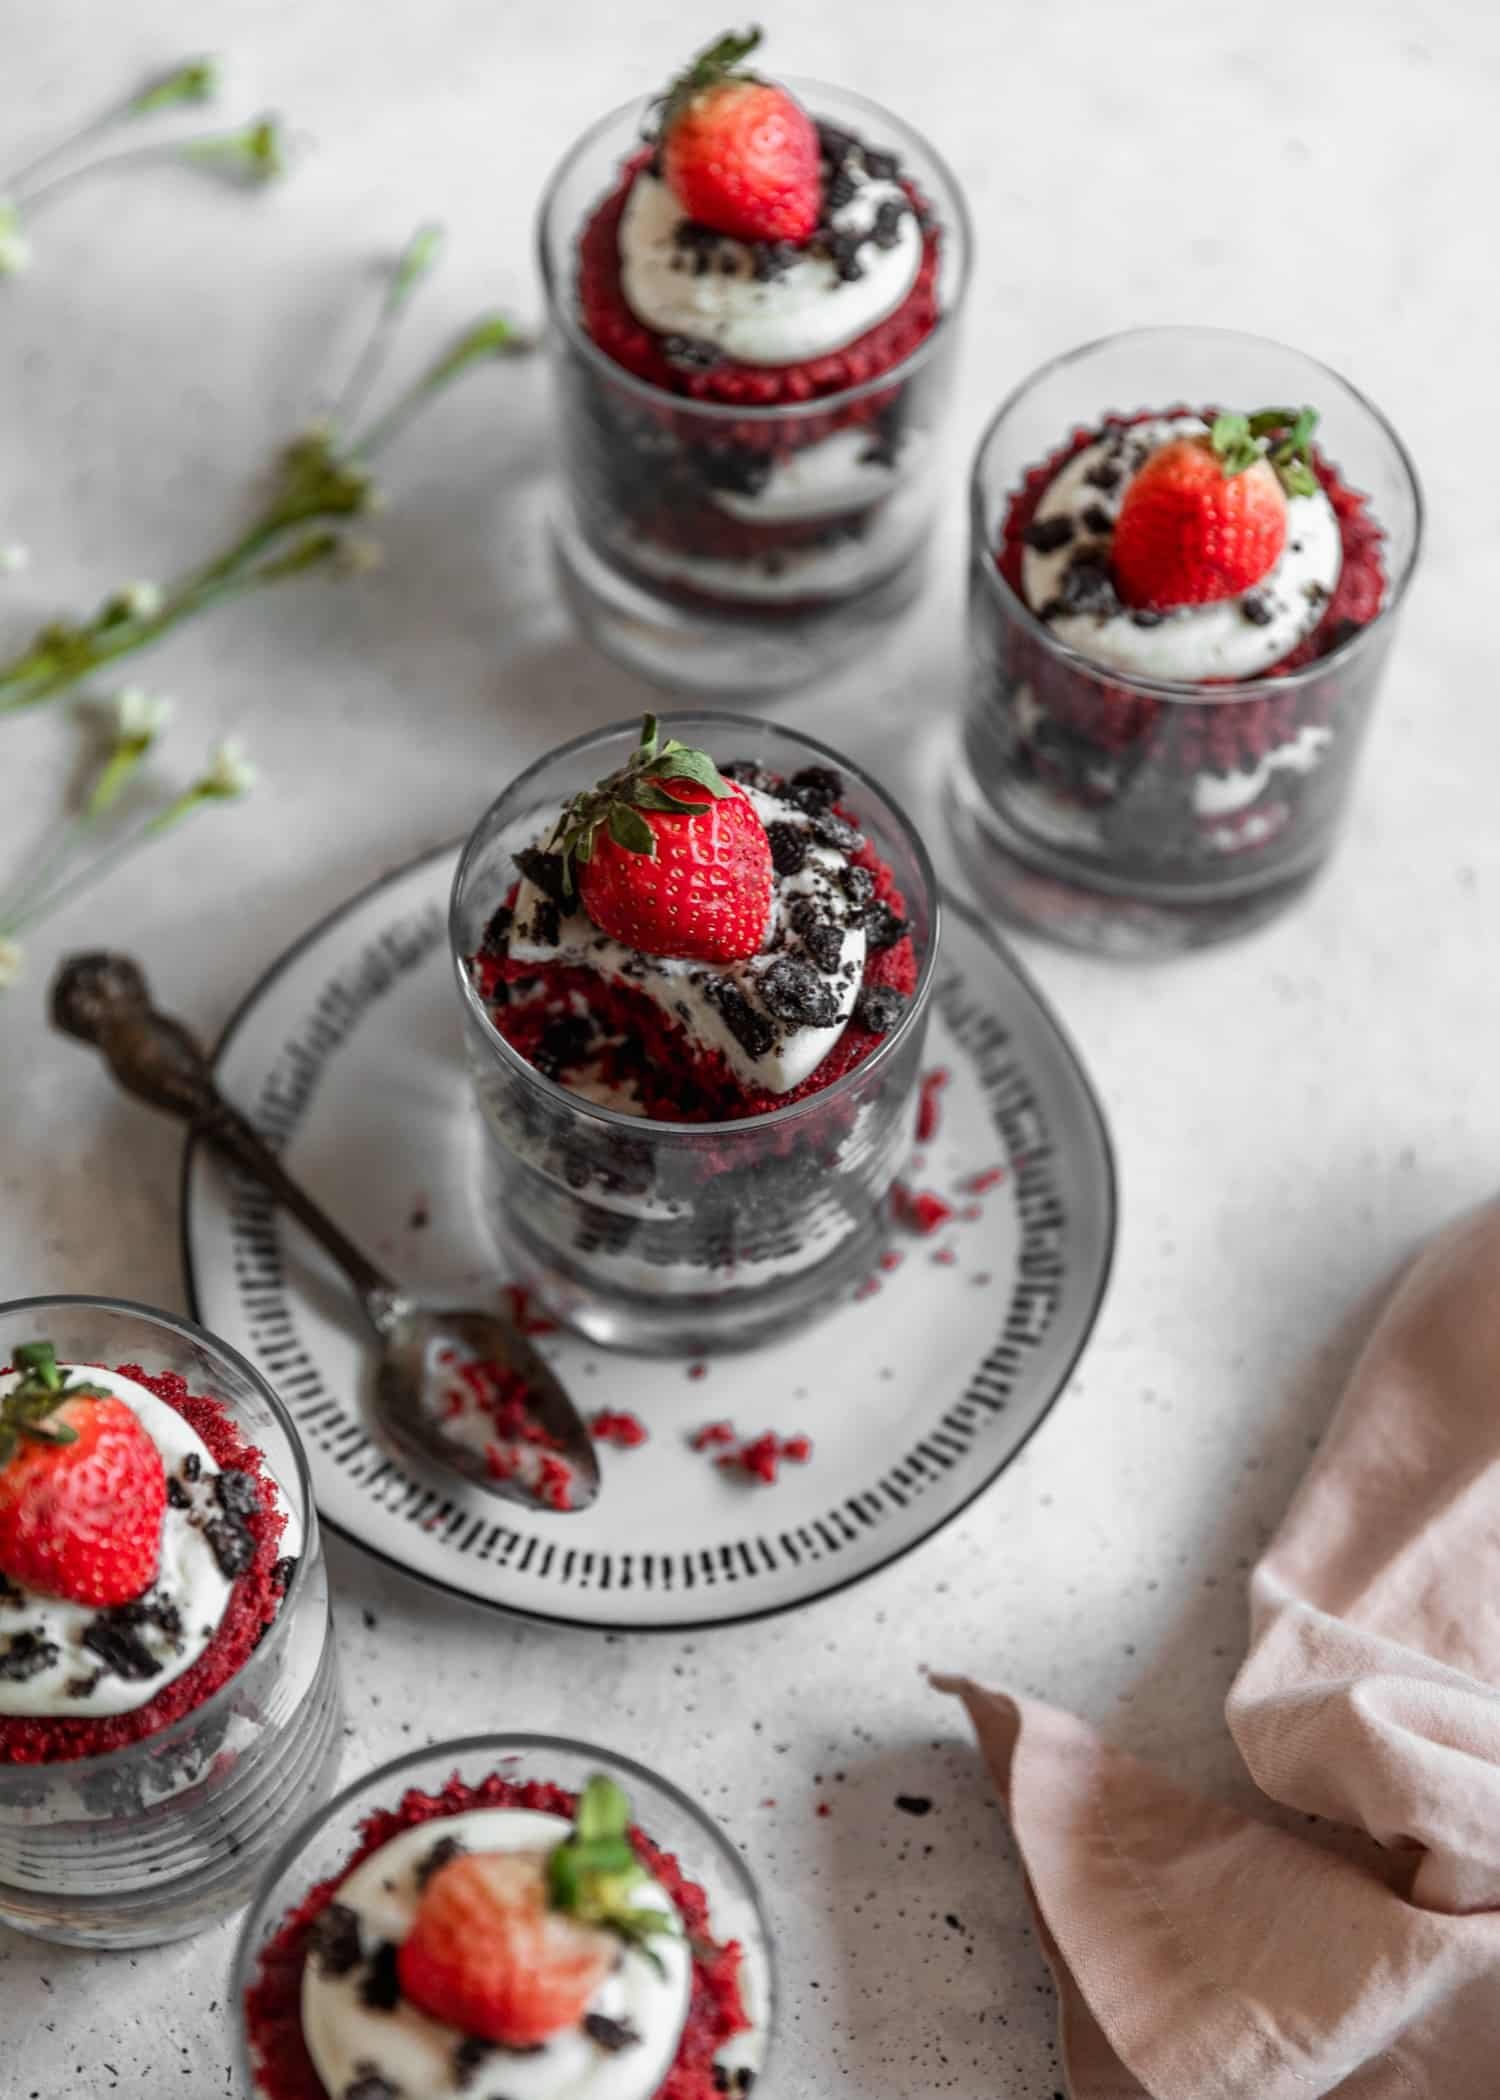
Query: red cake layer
{"x": 273, "y": 2003}
{"x": 675, "y": 1079}
{"x": 253, "y": 1603}
{"x": 607, "y": 318}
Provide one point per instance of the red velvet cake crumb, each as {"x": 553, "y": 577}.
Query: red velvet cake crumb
{"x": 273, "y": 2003}
{"x": 920, "y": 1209}
{"x": 929, "y": 1109}
{"x": 619, "y": 1427}
{"x": 253, "y": 1604}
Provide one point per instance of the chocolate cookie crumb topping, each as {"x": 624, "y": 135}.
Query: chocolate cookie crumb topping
{"x": 370, "y": 2084}
{"x": 177, "y": 1494}
{"x": 879, "y": 1008}
{"x": 749, "y": 772}
{"x": 1046, "y": 535}
{"x": 26, "y": 1655}
{"x": 752, "y": 1031}
{"x": 192, "y": 1467}
{"x": 818, "y": 786}
{"x": 611, "y": 2035}
{"x": 564, "y": 1043}
{"x": 1146, "y": 616}
{"x": 120, "y": 1648}
{"x": 1256, "y": 609}
{"x": 1106, "y": 476}
{"x": 83, "y": 1687}
{"x": 445, "y": 1849}
{"x": 740, "y": 470}
{"x": 794, "y": 993}
{"x": 788, "y": 848}
{"x": 231, "y": 1544}
{"x": 472, "y": 2053}
{"x": 284, "y": 1570}
{"x": 381, "y": 1988}
{"x": 824, "y": 942}
{"x": 690, "y": 353}
{"x": 236, "y": 1493}
{"x": 1087, "y": 586}
{"x": 1097, "y": 519}
{"x": 882, "y": 927}
{"x": 333, "y": 1940}
{"x": 858, "y": 885}
{"x": 546, "y": 923}
{"x": 831, "y": 830}
{"x": 543, "y": 869}
{"x": 496, "y": 937}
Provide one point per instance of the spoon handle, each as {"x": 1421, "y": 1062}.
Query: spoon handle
{"x": 105, "y": 1000}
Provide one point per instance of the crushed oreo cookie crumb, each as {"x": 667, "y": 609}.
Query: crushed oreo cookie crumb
{"x": 381, "y": 1988}
{"x": 333, "y": 1940}
{"x": 749, "y": 772}
{"x": 496, "y": 937}
{"x": 858, "y": 885}
{"x": 1106, "y": 476}
{"x": 546, "y": 923}
{"x": 564, "y": 1043}
{"x": 83, "y": 1687}
{"x": 543, "y": 869}
{"x": 824, "y": 943}
{"x": 120, "y": 1648}
{"x": 879, "y": 1008}
{"x": 1256, "y": 609}
{"x": 690, "y": 353}
{"x": 889, "y": 213}
{"x": 770, "y": 260}
{"x": 192, "y": 1467}
{"x": 231, "y": 1545}
{"x": 470, "y": 2057}
{"x": 794, "y": 993}
{"x": 284, "y": 1570}
{"x": 751, "y": 1030}
{"x": 699, "y": 244}
{"x": 1046, "y": 535}
{"x": 236, "y": 1492}
{"x": 1097, "y": 519}
{"x": 882, "y": 927}
{"x": 1146, "y": 616}
{"x": 610, "y": 2035}
{"x": 830, "y": 829}
{"x": 445, "y": 1849}
{"x": 818, "y": 786}
{"x": 370, "y": 2084}
{"x": 840, "y": 188}
{"x": 739, "y": 470}
{"x": 1087, "y": 586}
{"x": 26, "y": 1655}
{"x": 880, "y": 165}
{"x": 788, "y": 843}
{"x": 914, "y": 1804}
{"x": 177, "y": 1495}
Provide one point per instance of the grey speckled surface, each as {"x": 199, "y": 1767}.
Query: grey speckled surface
{"x": 1292, "y": 1116}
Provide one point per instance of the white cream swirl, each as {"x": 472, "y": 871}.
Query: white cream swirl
{"x": 349, "y": 2039}
{"x": 806, "y": 309}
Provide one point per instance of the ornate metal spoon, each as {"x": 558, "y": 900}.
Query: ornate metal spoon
{"x": 104, "y": 1000}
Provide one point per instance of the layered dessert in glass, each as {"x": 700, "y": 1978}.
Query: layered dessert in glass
{"x": 695, "y": 962}
{"x": 166, "y": 1677}
{"x": 509, "y": 1918}
{"x": 1180, "y": 606}
{"x": 754, "y": 289}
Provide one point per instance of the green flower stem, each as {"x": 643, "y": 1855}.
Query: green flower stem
{"x": 412, "y": 266}
{"x": 491, "y": 336}
{"x": 256, "y": 153}
{"x": 196, "y": 80}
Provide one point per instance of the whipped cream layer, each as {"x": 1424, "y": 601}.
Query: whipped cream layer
{"x": 802, "y": 303}
{"x": 711, "y": 1000}
{"x": 174, "y": 1622}
{"x": 847, "y": 471}
{"x": 1233, "y": 637}
{"x": 349, "y": 2039}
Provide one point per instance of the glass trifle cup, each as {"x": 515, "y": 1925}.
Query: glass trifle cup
{"x": 690, "y": 1235}
{"x": 152, "y": 1753}
{"x": 1102, "y": 794}
{"x": 726, "y": 546}
{"x": 346, "y": 1923}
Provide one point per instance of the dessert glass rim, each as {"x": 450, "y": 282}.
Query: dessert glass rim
{"x": 562, "y": 309}
{"x": 498, "y": 1746}
{"x": 149, "y": 1745}
{"x": 614, "y": 1118}
{"x": 1201, "y": 692}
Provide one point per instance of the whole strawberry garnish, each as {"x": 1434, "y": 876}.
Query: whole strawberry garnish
{"x": 82, "y": 1488}
{"x": 669, "y": 857}
{"x": 512, "y": 1946}
{"x": 1205, "y": 518}
{"x": 739, "y": 154}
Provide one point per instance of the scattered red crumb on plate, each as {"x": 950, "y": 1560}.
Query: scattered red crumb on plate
{"x": 919, "y": 1209}
{"x": 891, "y": 1259}
{"x": 255, "y": 1599}
{"x": 713, "y": 1434}
{"x": 524, "y": 1312}
{"x": 762, "y": 1456}
{"x": 929, "y": 1111}
{"x": 273, "y": 2003}
{"x": 618, "y": 1426}
{"x": 981, "y": 1184}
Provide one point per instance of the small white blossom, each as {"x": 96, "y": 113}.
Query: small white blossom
{"x": 138, "y": 716}
{"x": 12, "y": 961}
{"x": 141, "y": 601}
{"x": 229, "y": 773}
{"x": 359, "y": 555}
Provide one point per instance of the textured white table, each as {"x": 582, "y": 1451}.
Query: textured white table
{"x": 1292, "y": 1115}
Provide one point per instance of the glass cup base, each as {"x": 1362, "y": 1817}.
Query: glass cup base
{"x": 1048, "y": 894}
{"x": 688, "y": 642}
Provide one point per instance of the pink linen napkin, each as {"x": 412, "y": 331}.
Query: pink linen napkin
{"x": 1203, "y": 1955}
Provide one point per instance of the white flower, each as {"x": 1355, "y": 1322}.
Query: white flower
{"x": 15, "y": 249}
{"x": 229, "y": 773}
{"x": 138, "y": 716}
{"x": 12, "y": 961}
{"x": 14, "y": 558}
{"x": 141, "y": 601}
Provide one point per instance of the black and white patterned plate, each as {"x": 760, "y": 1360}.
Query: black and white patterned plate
{"x": 915, "y": 1393}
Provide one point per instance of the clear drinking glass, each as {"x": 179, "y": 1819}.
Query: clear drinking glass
{"x": 643, "y": 470}
{"x": 322, "y": 1846}
{"x": 1136, "y": 816}
{"x": 150, "y": 1842}
{"x": 686, "y": 1237}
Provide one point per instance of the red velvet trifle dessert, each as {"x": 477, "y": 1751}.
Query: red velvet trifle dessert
{"x": 489, "y": 1921}
{"x": 754, "y": 291}
{"x": 695, "y": 963}
{"x": 165, "y": 1686}
{"x": 1179, "y": 614}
